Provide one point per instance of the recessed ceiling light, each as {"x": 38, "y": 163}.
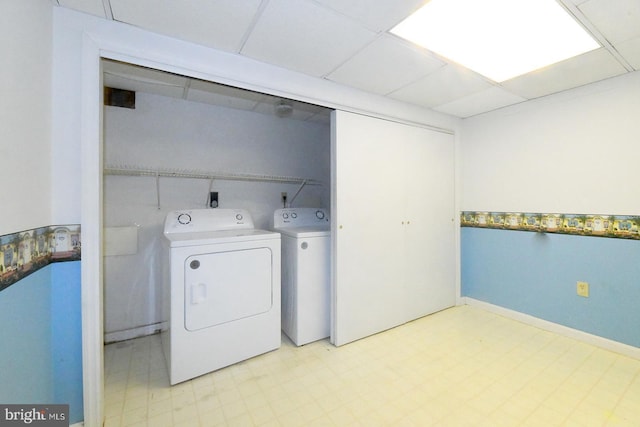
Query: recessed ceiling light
{"x": 499, "y": 39}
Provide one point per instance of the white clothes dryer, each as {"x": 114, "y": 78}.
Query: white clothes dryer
{"x": 306, "y": 273}
{"x": 222, "y": 289}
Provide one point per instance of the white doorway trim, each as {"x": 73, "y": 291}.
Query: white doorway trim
{"x": 91, "y": 223}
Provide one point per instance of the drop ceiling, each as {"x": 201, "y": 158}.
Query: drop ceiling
{"x": 348, "y": 42}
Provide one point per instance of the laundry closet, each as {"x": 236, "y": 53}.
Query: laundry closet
{"x": 387, "y": 185}
{"x": 185, "y": 142}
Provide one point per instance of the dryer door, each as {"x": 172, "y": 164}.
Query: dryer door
{"x": 222, "y": 287}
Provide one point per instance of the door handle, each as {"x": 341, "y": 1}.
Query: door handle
{"x": 198, "y": 293}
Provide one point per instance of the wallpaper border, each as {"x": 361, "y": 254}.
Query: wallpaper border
{"x": 25, "y": 252}
{"x": 612, "y": 226}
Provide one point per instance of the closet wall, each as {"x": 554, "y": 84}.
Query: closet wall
{"x": 171, "y": 133}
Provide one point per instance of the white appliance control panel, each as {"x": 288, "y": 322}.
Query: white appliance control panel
{"x": 300, "y": 217}
{"x": 201, "y": 220}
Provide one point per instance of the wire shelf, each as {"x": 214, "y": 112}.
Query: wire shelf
{"x": 199, "y": 174}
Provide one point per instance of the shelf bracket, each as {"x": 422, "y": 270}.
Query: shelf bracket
{"x": 304, "y": 182}
{"x": 158, "y": 188}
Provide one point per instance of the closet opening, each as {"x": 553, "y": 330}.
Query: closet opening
{"x": 179, "y": 144}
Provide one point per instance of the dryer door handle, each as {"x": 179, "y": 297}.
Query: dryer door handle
{"x": 198, "y": 293}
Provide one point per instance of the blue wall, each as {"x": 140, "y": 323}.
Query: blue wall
{"x": 536, "y": 274}
{"x": 25, "y": 340}
{"x": 66, "y": 337}
{"x": 40, "y": 339}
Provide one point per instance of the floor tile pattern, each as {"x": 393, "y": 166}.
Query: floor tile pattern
{"x": 459, "y": 367}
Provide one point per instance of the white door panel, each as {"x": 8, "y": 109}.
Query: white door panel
{"x": 430, "y": 235}
{"x": 393, "y": 253}
{"x": 369, "y": 232}
{"x": 219, "y": 287}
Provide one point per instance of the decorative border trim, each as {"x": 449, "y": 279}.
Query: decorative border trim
{"x": 26, "y": 252}
{"x": 613, "y": 226}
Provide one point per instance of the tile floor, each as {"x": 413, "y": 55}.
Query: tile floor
{"x": 460, "y": 367}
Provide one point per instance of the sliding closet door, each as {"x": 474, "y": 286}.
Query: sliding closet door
{"x": 367, "y": 215}
{"x": 430, "y": 235}
{"x": 390, "y": 265}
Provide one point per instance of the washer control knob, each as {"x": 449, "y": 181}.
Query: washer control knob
{"x": 320, "y": 214}
{"x": 239, "y": 217}
{"x": 285, "y": 215}
{"x": 294, "y": 215}
{"x": 184, "y": 218}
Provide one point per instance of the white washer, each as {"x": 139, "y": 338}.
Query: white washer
{"x": 223, "y": 291}
{"x": 306, "y": 273}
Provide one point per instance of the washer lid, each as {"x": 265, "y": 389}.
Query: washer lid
{"x": 215, "y": 237}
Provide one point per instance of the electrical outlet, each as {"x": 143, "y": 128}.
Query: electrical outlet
{"x": 582, "y": 289}
{"x": 213, "y": 199}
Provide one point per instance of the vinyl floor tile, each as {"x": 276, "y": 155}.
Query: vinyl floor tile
{"x": 459, "y": 367}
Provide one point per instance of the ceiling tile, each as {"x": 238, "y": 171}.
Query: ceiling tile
{"x": 140, "y": 79}
{"x": 385, "y": 65}
{"x": 444, "y": 85}
{"x": 481, "y": 102}
{"x": 617, "y": 20}
{"x": 346, "y": 42}
{"x": 580, "y": 70}
{"x": 630, "y": 50}
{"x": 221, "y": 24}
{"x": 305, "y": 37}
{"x": 93, "y": 7}
{"x": 379, "y": 15}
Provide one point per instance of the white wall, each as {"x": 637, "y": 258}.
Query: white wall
{"x": 171, "y": 133}
{"x": 573, "y": 152}
{"x": 176, "y": 134}
{"x": 25, "y": 114}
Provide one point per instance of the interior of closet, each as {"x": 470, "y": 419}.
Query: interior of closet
{"x": 184, "y": 140}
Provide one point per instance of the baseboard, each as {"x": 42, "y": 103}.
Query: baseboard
{"x": 595, "y": 340}
{"x": 129, "y": 334}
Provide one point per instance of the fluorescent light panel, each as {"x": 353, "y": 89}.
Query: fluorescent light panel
{"x": 499, "y": 39}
